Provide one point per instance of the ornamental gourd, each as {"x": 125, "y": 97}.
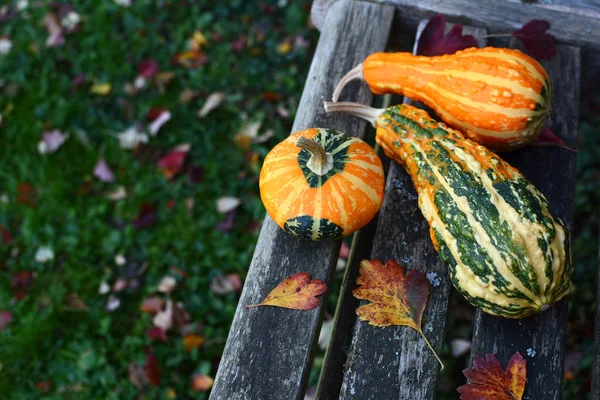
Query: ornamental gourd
{"x": 321, "y": 184}
{"x": 506, "y": 253}
{"x": 499, "y": 97}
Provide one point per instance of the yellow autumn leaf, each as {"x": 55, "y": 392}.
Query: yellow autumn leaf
{"x": 198, "y": 40}
{"x": 297, "y": 292}
{"x": 284, "y": 47}
{"x": 101, "y": 89}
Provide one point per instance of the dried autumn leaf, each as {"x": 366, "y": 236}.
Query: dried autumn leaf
{"x": 172, "y": 163}
{"x": 5, "y": 319}
{"x": 164, "y": 319}
{"x": 487, "y": 379}
{"x": 167, "y": 284}
{"x": 146, "y": 218}
{"x": 213, "y": 101}
{"x": 223, "y": 284}
{"x": 158, "y": 122}
{"x": 395, "y": 299}
{"x": 5, "y": 234}
{"x": 152, "y": 369}
{"x": 535, "y": 39}
{"x": 297, "y": 292}
{"x": 148, "y": 68}
{"x": 51, "y": 141}
{"x": 75, "y": 303}
{"x": 101, "y": 89}
{"x": 137, "y": 375}
{"x": 227, "y": 204}
{"x": 202, "y": 382}
{"x": 192, "y": 341}
{"x": 550, "y": 139}
{"x": 191, "y": 59}
{"x": 102, "y": 171}
{"x": 433, "y": 42}
{"x": 26, "y": 194}
{"x": 152, "y": 305}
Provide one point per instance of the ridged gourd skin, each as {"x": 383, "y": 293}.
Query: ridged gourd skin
{"x": 499, "y": 97}
{"x": 329, "y": 206}
{"x": 506, "y": 253}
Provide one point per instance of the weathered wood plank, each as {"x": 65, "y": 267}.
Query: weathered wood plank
{"x": 552, "y": 171}
{"x": 269, "y": 350}
{"x": 394, "y": 362}
{"x": 570, "y": 25}
{"x": 596, "y": 365}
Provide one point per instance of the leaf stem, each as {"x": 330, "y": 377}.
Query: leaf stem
{"x": 431, "y": 347}
{"x": 499, "y": 35}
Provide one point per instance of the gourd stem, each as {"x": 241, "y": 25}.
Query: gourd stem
{"x": 359, "y": 110}
{"x": 320, "y": 161}
{"x": 354, "y": 73}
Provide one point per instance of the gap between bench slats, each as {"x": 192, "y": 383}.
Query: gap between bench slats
{"x": 394, "y": 362}
{"x": 552, "y": 171}
{"x": 269, "y": 350}
{"x": 596, "y": 363}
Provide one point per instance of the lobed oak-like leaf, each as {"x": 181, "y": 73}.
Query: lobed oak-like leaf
{"x": 488, "y": 380}
{"x": 549, "y": 138}
{"x": 535, "y": 39}
{"x": 297, "y": 292}
{"x": 433, "y": 42}
{"x": 395, "y": 298}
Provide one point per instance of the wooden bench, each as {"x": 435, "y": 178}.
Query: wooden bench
{"x": 268, "y": 354}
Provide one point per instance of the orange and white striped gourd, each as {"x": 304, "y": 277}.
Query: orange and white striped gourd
{"x": 321, "y": 184}
{"x": 498, "y": 97}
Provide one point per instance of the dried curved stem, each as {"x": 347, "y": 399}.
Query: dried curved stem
{"x": 354, "y": 73}
{"x": 359, "y": 110}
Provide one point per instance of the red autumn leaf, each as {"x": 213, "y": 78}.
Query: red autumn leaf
{"x": 5, "y": 319}
{"x": 152, "y": 369}
{"x": 26, "y": 194}
{"x": 433, "y": 42}
{"x": 172, "y": 163}
{"x": 487, "y": 379}
{"x": 6, "y": 237}
{"x": 192, "y": 341}
{"x": 395, "y": 299}
{"x": 535, "y": 39}
{"x": 146, "y": 218}
{"x": 44, "y": 386}
{"x": 154, "y": 113}
{"x": 298, "y": 292}
{"x": 191, "y": 59}
{"x": 550, "y": 139}
{"x": 157, "y": 334}
{"x": 195, "y": 173}
{"x": 21, "y": 282}
{"x": 148, "y": 68}
{"x": 239, "y": 44}
{"x": 228, "y": 222}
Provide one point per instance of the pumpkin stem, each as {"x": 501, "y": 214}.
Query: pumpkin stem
{"x": 320, "y": 162}
{"x": 359, "y": 110}
{"x": 354, "y": 73}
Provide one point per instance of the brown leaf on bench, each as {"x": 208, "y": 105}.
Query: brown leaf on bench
{"x": 487, "y": 379}
{"x": 297, "y": 292}
{"x": 395, "y": 299}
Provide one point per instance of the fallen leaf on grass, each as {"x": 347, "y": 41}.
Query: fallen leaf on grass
{"x": 227, "y": 204}
{"x": 228, "y": 222}
{"x": 113, "y": 303}
{"x": 152, "y": 369}
{"x": 21, "y": 282}
{"x": 223, "y": 284}
{"x": 148, "y": 68}
{"x": 158, "y": 122}
{"x": 192, "y": 341}
{"x": 297, "y": 292}
{"x": 172, "y": 163}
{"x": 535, "y": 39}
{"x": 395, "y": 299}
{"x": 26, "y": 194}
{"x": 131, "y": 137}
{"x": 103, "y": 172}
{"x": 152, "y": 305}
{"x": 101, "y": 89}
{"x": 137, "y": 375}
{"x": 487, "y": 379}
{"x": 44, "y": 386}
{"x": 5, "y": 319}
{"x": 5, "y": 45}
{"x": 146, "y": 218}
{"x": 202, "y": 382}
{"x": 6, "y": 237}
{"x": 157, "y": 334}
{"x": 433, "y": 42}
{"x": 75, "y": 303}
{"x": 549, "y": 139}
{"x": 191, "y": 59}
{"x": 195, "y": 173}
{"x": 213, "y": 101}
{"x": 247, "y": 134}
{"x": 51, "y": 141}
{"x": 164, "y": 318}
{"x": 44, "y": 254}
{"x": 167, "y": 284}
{"x": 198, "y": 41}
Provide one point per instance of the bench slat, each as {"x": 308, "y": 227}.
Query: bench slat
{"x": 394, "y": 362}
{"x": 269, "y": 350}
{"x": 552, "y": 171}
{"x": 596, "y": 363}
{"x": 575, "y": 25}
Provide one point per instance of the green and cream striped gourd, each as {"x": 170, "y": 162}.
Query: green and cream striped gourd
{"x": 506, "y": 253}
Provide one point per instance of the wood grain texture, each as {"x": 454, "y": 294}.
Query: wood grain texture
{"x": 552, "y": 171}
{"x": 596, "y": 364}
{"x": 394, "y": 362}
{"x": 573, "y": 24}
{"x": 269, "y": 350}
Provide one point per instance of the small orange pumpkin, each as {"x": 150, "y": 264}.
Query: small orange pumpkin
{"x": 321, "y": 184}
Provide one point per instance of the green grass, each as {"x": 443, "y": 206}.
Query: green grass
{"x": 85, "y": 354}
